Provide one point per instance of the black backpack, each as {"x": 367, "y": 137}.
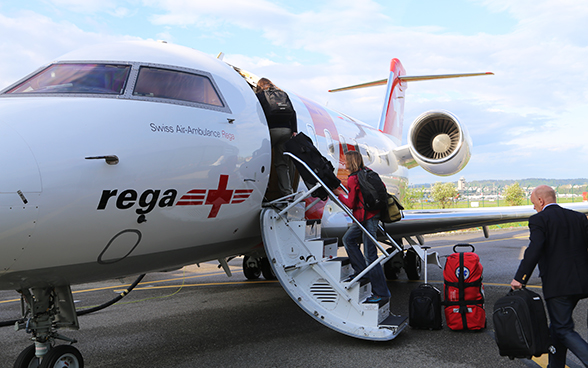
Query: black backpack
{"x": 278, "y": 102}
{"x": 373, "y": 190}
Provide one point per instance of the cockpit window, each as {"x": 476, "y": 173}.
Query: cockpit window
{"x": 172, "y": 84}
{"x": 76, "y": 78}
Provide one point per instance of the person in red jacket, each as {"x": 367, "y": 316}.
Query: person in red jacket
{"x": 369, "y": 220}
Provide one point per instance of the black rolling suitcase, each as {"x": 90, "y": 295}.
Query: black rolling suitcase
{"x": 520, "y": 325}
{"x": 303, "y": 148}
{"x": 424, "y": 305}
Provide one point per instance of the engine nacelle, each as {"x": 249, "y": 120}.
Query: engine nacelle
{"x": 439, "y": 143}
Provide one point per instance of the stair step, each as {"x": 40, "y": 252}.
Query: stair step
{"x": 342, "y": 268}
{"x": 394, "y": 321}
{"x": 313, "y": 229}
{"x": 381, "y": 303}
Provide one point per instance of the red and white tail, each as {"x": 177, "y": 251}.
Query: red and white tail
{"x": 393, "y": 111}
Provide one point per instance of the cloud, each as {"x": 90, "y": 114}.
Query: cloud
{"x": 35, "y": 40}
{"x": 93, "y": 6}
{"x": 534, "y": 103}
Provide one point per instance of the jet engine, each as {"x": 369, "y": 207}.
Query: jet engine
{"x": 439, "y": 143}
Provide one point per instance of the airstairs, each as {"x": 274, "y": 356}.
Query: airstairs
{"x": 317, "y": 279}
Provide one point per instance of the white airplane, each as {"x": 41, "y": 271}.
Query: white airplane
{"x": 135, "y": 157}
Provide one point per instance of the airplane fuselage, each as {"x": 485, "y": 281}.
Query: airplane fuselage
{"x": 186, "y": 185}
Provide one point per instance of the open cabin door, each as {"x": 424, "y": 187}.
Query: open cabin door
{"x": 272, "y": 192}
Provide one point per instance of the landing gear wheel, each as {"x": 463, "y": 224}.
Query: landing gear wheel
{"x": 251, "y": 273}
{"x": 266, "y": 269}
{"x": 412, "y": 265}
{"x": 27, "y": 358}
{"x": 393, "y": 266}
{"x": 63, "y": 356}
{"x": 391, "y": 272}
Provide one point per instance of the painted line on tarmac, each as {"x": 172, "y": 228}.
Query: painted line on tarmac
{"x": 248, "y": 282}
{"x": 484, "y": 283}
{"x": 482, "y": 241}
{"x": 522, "y": 252}
{"x": 542, "y": 361}
{"x": 116, "y": 287}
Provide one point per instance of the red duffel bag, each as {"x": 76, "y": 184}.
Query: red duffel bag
{"x": 464, "y": 291}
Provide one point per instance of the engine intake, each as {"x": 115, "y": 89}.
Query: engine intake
{"x": 439, "y": 143}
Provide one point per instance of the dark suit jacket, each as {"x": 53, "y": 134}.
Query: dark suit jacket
{"x": 559, "y": 244}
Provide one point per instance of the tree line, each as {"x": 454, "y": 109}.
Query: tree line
{"x": 444, "y": 194}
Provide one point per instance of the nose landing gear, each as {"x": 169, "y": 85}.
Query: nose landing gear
{"x": 45, "y": 310}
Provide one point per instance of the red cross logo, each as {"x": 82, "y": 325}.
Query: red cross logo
{"x": 215, "y": 197}
{"x": 219, "y": 196}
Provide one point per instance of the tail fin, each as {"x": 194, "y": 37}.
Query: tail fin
{"x": 393, "y": 112}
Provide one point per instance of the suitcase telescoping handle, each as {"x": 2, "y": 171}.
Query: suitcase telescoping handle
{"x": 463, "y": 245}
{"x": 425, "y": 258}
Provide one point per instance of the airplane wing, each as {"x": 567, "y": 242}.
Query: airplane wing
{"x": 420, "y": 222}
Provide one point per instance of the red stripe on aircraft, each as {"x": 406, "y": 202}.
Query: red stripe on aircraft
{"x": 189, "y": 203}
{"x": 187, "y": 196}
{"x": 320, "y": 118}
{"x": 215, "y": 197}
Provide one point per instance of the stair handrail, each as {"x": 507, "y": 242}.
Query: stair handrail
{"x": 334, "y": 198}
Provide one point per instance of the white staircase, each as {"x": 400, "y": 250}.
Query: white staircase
{"x": 308, "y": 268}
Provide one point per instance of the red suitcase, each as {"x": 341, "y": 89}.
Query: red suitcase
{"x": 463, "y": 290}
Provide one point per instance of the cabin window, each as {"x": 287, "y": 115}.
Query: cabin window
{"x": 176, "y": 85}
{"x": 76, "y": 78}
{"x": 367, "y": 157}
{"x": 343, "y": 144}
{"x": 312, "y": 134}
{"x": 330, "y": 143}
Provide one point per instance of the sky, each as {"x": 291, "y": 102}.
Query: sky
{"x": 526, "y": 121}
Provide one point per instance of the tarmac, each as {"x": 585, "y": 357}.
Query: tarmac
{"x": 197, "y": 316}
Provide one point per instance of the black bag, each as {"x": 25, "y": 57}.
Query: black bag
{"x": 303, "y": 148}
{"x": 276, "y": 102}
{"x": 393, "y": 212}
{"x": 424, "y": 308}
{"x": 520, "y": 325}
{"x": 373, "y": 190}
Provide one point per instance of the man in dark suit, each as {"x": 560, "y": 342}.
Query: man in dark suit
{"x": 559, "y": 244}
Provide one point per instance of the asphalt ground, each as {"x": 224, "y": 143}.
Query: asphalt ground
{"x": 197, "y": 316}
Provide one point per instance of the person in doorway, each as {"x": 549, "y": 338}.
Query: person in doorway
{"x": 559, "y": 244}
{"x": 369, "y": 220}
{"x": 282, "y": 123}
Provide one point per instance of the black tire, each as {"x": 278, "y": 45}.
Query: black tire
{"x": 266, "y": 269}
{"x": 393, "y": 266}
{"x": 60, "y": 355}
{"x": 27, "y": 358}
{"x": 390, "y": 271}
{"x": 251, "y": 273}
{"x": 412, "y": 265}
